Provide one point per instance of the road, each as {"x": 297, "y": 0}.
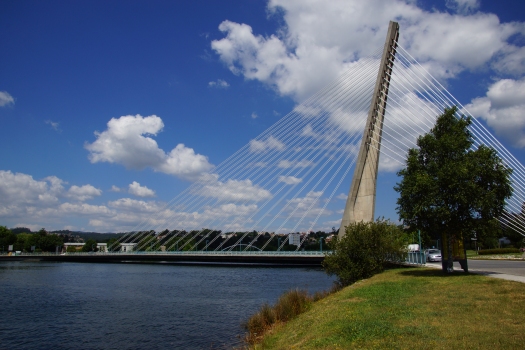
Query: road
{"x": 506, "y": 269}
{"x": 509, "y": 267}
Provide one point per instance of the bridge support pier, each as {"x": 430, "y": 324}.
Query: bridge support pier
{"x": 360, "y": 204}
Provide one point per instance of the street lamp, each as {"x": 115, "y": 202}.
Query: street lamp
{"x": 321, "y": 241}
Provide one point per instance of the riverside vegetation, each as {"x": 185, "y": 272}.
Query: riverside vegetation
{"x": 365, "y": 250}
{"x": 410, "y": 308}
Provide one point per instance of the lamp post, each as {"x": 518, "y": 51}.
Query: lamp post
{"x": 321, "y": 241}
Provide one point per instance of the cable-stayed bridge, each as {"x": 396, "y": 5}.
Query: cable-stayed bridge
{"x": 288, "y": 181}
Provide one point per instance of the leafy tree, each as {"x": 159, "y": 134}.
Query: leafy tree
{"x": 7, "y": 238}
{"x": 449, "y": 187}
{"x": 47, "y": 242}
{"x": 365, "y": 250}
{"x": 90, "y": 246}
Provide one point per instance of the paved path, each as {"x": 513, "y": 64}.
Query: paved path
{"x": 504, "y": 269}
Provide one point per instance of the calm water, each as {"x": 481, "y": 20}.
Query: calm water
{"x": 136, "y": 306}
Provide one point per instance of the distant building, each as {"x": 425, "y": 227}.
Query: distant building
{"x": 127, "y": 247}
{"x": 294, "y": 239}
{"x": 101, "y": 247}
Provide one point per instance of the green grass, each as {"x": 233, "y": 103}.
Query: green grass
{"x": 410, "y": 308}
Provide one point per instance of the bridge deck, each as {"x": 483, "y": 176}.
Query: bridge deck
{"x": 214, "y": 258}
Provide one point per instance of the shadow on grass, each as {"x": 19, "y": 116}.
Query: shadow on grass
{"x": 433, "y": 273}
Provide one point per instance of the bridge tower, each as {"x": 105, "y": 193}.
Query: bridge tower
{"x": 360, "y": 204}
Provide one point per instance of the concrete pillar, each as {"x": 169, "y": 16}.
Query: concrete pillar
{"x": 360, "y": 204}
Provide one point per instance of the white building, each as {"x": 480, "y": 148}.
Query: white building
{"x": 127, "y": 247}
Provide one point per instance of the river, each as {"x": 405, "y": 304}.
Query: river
{"x": 49, "y": 305}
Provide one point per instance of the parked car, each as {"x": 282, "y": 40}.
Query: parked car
{"x": 433, "y": 255}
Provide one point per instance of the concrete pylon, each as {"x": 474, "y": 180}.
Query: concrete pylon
{"x": 360, "y": 204}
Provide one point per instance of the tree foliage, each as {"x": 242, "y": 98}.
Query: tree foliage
{"x": 365, "y": 250}
{"x": 7, "y": 238}
{"x": 90, "y": 246}
{"x": 450, "y": 187}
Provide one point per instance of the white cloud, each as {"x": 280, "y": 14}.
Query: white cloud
{"x": 503, "y": 108}
{"x": 83, "y": 193}
{"x": 463, "y": 6}
{"x": 319, "y": 38}
{"x": 290, "y": 180}
{"x": 42, "y": 202}
{"x": 219, "y": 83}
{"x": 307, "y": 206}
{"x": 234, "y": 190}
{"x": 342, "y": 196}
{"x": 6, "y": 99}
{"x": 133, "y": 205}
{"x": 127, "y": 141}
{"x": 140, "y": 191}
{"x": 254, "y": 115}
{"x": 271, "y": 143}
{"x": 17, "y": 190}
{"x": 83, "y": 209}
{"x": 229, "y": 210}
{"x": 116, "y": 189}
{"x": 294, "y": 163}
{"x": 54, "y": 125}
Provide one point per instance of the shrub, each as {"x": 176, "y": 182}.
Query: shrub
{"x": 498, "y": 251}
{"x": 365, "y": 250}
{"x": 288, "y": 306}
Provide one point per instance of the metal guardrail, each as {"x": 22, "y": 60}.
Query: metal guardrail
{"x": 416, "y": 258}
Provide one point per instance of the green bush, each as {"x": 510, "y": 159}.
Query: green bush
{"x": 365, "y": 250}
{"x": 498, "y": 251}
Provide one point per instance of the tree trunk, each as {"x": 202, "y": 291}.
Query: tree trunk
{"x": 450, "y": 260}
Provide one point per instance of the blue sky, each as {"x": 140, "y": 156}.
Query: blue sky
{"x": 68, "y": 68}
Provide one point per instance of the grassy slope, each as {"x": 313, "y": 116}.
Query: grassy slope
{"x": 411, "y": 308}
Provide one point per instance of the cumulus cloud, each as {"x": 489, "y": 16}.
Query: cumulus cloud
{"x": 115, "y": 189}
{"x": 140, "y": 191}
{"x": 17, "y": 189}
{"x": 342, "y": 196}
{"x": 290, "y": 180}
{"x": 44, "y": 202}
{"x": 503, "y": 108}
{"x": 269, "y": 144}
{"x": 254, "y": 115}
{"x": 285, "y": 164}
{"x": 307, "y": 206}
{"x": 82, "y": 193}
{"x": 319, "y": 39}
{"x": 234, "y": 190}
{"x": 127, "y": 141}
{"x": 219, "y": 83}
{"x": 463, "y": 6}
{"x": 6, "y": 99}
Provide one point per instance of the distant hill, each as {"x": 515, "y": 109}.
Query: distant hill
{"x": 99, "y": 237}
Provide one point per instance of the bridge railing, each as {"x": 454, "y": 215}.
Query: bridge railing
{"x": 416, "y": 258}
{"x": 198, "y": 252}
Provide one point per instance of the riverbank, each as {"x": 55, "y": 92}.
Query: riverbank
{"x": 411, "y": 308}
